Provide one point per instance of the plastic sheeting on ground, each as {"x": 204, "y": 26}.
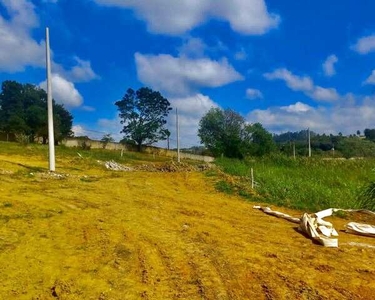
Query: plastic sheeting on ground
{"x": 322, "y": 231}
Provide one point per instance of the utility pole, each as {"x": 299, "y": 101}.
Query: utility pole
{"x": 178, "y": 137}
{"x": 294, "y": 150}
{"x": 309, "y": 142}
{"x": 51, "y": 136}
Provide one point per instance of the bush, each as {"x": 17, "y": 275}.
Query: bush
{"x": 22, "y": 138}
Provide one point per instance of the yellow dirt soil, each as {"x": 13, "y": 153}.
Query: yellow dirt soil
{"x": 99, "y": 234}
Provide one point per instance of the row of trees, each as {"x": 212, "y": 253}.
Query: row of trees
{"x": 328, "y": 145}
{"x": 223, "y": 132}
{"x": 226, "y": 133}
{"x": 23, "y": 111}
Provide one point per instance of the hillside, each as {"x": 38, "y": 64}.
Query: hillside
{"x": 91, "y": 233}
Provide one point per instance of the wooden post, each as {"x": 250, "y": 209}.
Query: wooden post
{"x": 252, "y": 178}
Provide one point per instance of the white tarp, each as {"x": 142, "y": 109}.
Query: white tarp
{"x": 322, "y": 231}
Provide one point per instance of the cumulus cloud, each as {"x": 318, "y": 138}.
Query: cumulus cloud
{"x": 296, "y": 83}
{"x": 371, "y": 78}
{"x": 193, "y": 47}
{"x": 182, "y": 75}
{"x": 190, "y": 109}
{"x": 82, "y": 71}
{"x": 17, "y": 48}
{"x": 365, "y": 45}
{"x": 333, "y": 119}
{"x": 303, "y": 84}
{"x": 298, "y": 107}
{"x": 249, "y": 17}
{"x": 240, "y": 55}
{"x": 254, "y": 94}
{"x": 329, "y": 65}
{"x": 324, "y": 94}
{"x": 78, "y": 130}
{"x": 64, "y": 91}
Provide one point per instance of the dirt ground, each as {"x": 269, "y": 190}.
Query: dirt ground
{"x": 99, "y": 234}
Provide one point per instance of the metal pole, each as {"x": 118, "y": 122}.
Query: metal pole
{"x": 309, "y": 143}
{"x": 294, "y": 150}
{"x": 178, "y": 137}
{"x": 51, "y": 136}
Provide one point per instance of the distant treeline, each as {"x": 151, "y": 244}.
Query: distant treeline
{"x": 354, "y": 145}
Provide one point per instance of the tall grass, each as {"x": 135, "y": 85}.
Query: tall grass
{"x": 308, "y": 184}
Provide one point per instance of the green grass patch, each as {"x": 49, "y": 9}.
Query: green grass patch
{"x": 225, "y": 187}
{"x": 308, "y": 184}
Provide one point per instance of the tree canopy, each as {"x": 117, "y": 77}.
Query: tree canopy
{"x": 225, "y": 132}
{"x": 23, "y": 110}
{"x": 143, "y": 114}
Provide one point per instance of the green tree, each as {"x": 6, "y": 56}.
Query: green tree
{"x": 143, "y": 115}
{"x": 258, "y": 141}
{"x": 369, "y": 134}
{"x": 23, "y": 110}
{"x": 220, "y": 131}
{"x": 225, "y": 132}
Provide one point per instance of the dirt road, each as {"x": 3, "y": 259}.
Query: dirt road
{"x": 97, "y": 234}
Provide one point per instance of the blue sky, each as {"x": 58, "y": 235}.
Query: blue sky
{"x": 287, "y": 64}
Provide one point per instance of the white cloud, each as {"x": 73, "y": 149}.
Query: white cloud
{"x": 298, "y": 107}
{"x": 88, "y": 108}
{"x": 82, "y": 72}
{"x": 182, "y": 75}
{"x": 329, "y": 65}
{"x": 193, "y": 47}
{"x": 324, "y": 94}
{"x": 254, "y": 94}
{"x": 365, "y": 45}
{"x": 64, "y": 91}
{"x": 240, "y": 55}
{"x": 190, "y": 109}
{"x": 249, "y": 17}
{"x": 371, "y": 78}
{"x": 304, "y": 84}
{"x": 17, "y": 48}
{"x": 78, "y": 130}
{"x": 340, "y": 118}
{"x": 296, "y": 83}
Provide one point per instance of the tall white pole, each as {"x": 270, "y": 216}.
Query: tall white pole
{"x": 51, "y": 136}
{"x": 178, "y": 137}
{"x": 309, "y": 143}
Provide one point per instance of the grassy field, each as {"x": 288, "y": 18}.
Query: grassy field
{"x": 86, "y": 232}
{"x": 309, "y": 184}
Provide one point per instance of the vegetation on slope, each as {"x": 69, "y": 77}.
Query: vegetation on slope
{"x": 309, "y": 184}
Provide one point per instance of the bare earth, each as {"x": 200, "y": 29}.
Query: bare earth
{"x": 99, "y": 234}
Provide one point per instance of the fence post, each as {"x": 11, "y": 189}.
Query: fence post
{"x": 252, "y": 178}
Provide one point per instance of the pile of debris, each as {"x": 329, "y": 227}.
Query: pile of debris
{"x": 170, "y": 167}
{"x": 173, "y": 166}
{"x": 50, "y": 175}
{"x": 320, "y": 230}
{"x": 114, "y": 166}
